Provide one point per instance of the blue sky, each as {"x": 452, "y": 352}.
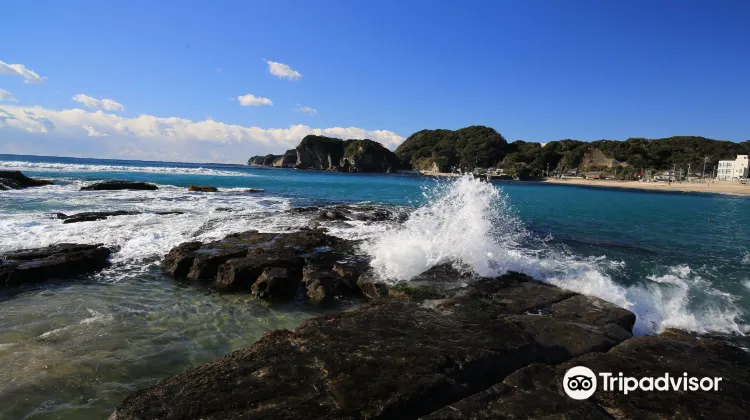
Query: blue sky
{"x": 533, "y": 70}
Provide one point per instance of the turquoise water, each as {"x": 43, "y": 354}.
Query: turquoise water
{"x": 75, "y": 349}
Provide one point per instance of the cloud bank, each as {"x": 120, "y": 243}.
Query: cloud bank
{"x": 77, "y": 132}
{"x": 93, "y": 103}
{"x": 21, "y": 71}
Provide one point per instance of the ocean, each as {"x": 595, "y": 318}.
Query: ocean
{"x": 74, "y": 349}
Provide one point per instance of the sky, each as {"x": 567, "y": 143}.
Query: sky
{"x": 221, "y": 81}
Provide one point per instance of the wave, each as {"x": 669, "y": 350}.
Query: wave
{"x": 79, "y": 167}
{"x": 139, "y": 237}
{"x": 471, "y": 223}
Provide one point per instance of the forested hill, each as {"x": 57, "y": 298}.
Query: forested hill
{"x": 479, "y": 146}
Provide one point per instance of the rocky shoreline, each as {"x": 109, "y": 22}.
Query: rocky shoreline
{"x": 445, "y": 345}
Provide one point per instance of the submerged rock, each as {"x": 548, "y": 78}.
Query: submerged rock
{"x": 57, "y": 261}
{"x": 102, "y": 215}
{"x": 388, "y": 359}
{"x": 119, "y": 185}
{"x": 200, "y": 188}
{"x": 14, "y": 180}
{"x": 94, "y": 215}
{"x": 269, "y": 265}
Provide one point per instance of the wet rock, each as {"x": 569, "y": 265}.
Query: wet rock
{"x": 119, "y": 185}
{"x": 202, "y": 188}
{"x": 495, "y": 348}
{"x": 276, "y": 283}
{"x": 269, "y": 265}
{"x": 57, "y": 261}
{"x": 537, "y": 389}
{"x": 303, "y": 210}
{"x": 254, "y": 190}
{"x": 14, "y": 180}
{"x": 332, "y": 215}
{"x": 388, "y": 359}
{"x": 93, "y": 216}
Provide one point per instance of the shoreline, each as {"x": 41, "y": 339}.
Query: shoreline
{"x": 713, "y": 187}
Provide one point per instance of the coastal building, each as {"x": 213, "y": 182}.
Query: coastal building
{"x": 733, "y": 170}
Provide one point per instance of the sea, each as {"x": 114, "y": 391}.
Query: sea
{"x": 74, "y": 349}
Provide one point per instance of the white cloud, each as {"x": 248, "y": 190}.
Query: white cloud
{"x": 93, "y": 103}
{"x": 307, "y": 110}
{"x": 252, "y": 100}
{"x": 21, "y": 71}
{"x": 92, "y": 131}
{"x": 100, "y": 134}
{"x": 6, "y": 96}
{"x": 282, "y": 71}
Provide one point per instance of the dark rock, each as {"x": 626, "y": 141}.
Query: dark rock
{"x": 254, "y": 190}
{"x": 287, "y": 160}
{"x": 199, "y": 188}
{"x": 332, "y": 215}
{"x": 119, "y": 185}
{"x": 14, "y": 180}
{"x": 372, "y": 286}
{"x": 277, "y": 283}
{"x": 537, "y": 389}
{"x": 166, "y": 213}
{"x": 302, "y": 210}
{"x": 247, "y": 262}
{"x": 388, "y": 359}
{"x": 256, "y": 161}
{"x": 326, "y": 153}
{"x": 57, "y": 261}
{"x": 94, "y": 215}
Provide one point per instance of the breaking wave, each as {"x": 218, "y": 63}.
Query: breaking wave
{"x": 471, "y": 223}
{"x": 79, "y": 167}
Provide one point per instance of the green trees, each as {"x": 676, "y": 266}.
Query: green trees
{"x": 467, "y": 148}
{"x": 479, "y": 146}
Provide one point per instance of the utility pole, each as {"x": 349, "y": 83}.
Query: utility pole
{"x": 688, "y": 174}
{"x": 704, "y": 168}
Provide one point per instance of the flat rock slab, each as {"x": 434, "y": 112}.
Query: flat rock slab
{"x": 57, "y": 261}
{"x": 119, "y": 185}
{"x": 391, "y": 359}
{"x": 270, "y": 265}
{"x": 536, "y": 391}
{"x": 14, "y": 180}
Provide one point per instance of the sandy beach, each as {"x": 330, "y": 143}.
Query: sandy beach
{"x": 719, "y": 187}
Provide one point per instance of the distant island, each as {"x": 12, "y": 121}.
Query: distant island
{"x": 480, "y": 147}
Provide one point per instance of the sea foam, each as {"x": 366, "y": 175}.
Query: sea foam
{"x": 79, "y": 167}
{"x": 471, "y": 223}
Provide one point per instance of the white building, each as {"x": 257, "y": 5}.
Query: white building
{"x": 733, "y": 170}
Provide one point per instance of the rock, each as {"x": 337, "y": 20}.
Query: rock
{"x": 119, "y": 185}
{"x": 198, "y": 188}
{"x": 94, "y": 215}
{"x": 387, "y": 359}
{"x": 276, "y": 283}
{"x": 14, "y": 180}
{"x": 326, "y": 153}
{"x": 254, "y": 190}
{"x": 537, "y": 389}
{"x": 302, "y": 210}
{"x": 248, "y": 262}
{"x": 287, "y": 160}
{"x": 256, "y": 161}
{"x": 101, "y": 215}
{"x": 332, "y": 215}
{"x": 57, "y": 261}
{"x": 372, "y": 286}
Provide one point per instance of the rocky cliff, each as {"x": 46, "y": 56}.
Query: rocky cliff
{"x": 331, "y": 154}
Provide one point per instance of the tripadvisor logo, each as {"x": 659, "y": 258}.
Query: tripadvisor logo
{"x": 580, "y": 383}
